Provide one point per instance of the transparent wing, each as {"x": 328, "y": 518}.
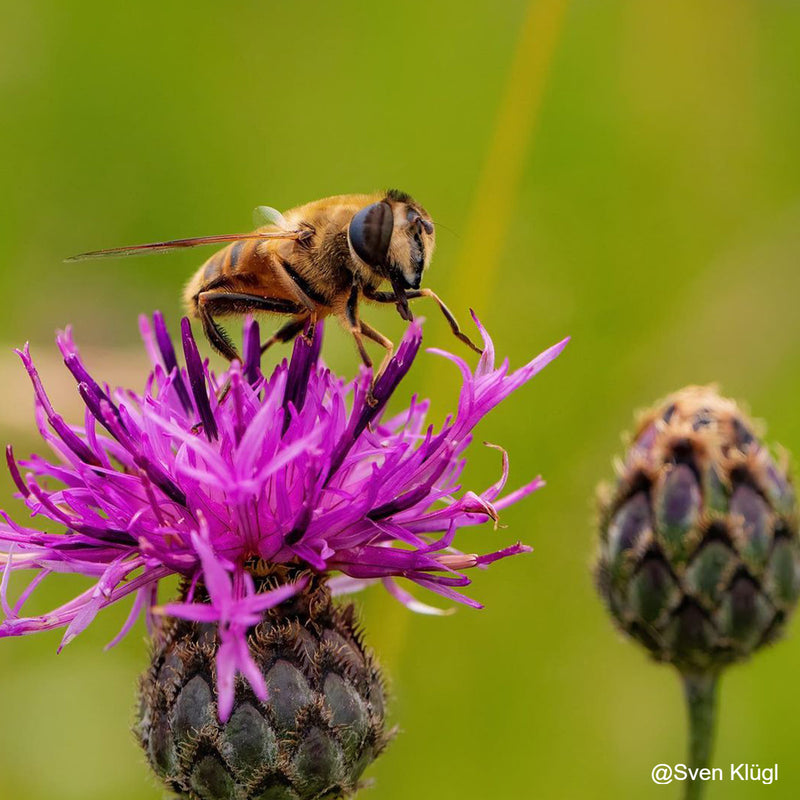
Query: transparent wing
{"x": 177, "y": 244}
{"x": 266, "y": 215}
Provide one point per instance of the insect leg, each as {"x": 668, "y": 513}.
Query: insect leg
{"x": 354, "y": 326}
{"x": 380, "y": 297}
{"x": 216, "y": 334}
{"x": 399, "y": 297}
{"x": 413, "y": 294}
{"x": 448, "y": 315}
{"x": 305, "y": 295}
{"x": 223, "y": 303}
{"x": 210, "y": 303}
{"x": 285, "y": 333}
{"x": 401, "y": 300}
{"x": 295, "y": 285}
{"x": 387, "y": 344}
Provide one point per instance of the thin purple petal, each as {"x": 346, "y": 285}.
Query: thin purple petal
{"x": 197, "y": 380}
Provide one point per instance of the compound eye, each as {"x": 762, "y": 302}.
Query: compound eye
{"x": 371, "y": 233}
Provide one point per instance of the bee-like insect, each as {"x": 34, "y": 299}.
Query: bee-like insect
{"x": 311, "y": 262}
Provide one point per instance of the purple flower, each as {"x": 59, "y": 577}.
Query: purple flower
{"x": 297, "y": 468}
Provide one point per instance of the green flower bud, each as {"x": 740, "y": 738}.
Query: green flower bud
{"x": 699, "y": 556}
{"x": 322, "y": 724}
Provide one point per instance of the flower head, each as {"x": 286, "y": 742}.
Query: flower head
{"x": 296, "y": 468}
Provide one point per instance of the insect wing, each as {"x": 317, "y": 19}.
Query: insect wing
{"x": 178, "y": 244}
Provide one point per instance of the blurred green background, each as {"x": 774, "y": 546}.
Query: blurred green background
{"x": 624, "y": 172}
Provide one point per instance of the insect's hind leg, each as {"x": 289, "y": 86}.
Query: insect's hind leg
{"x": 220, "y": 341}
{"x": 217, "y": 336}
{"x": 284, "y": 334}
{"x": 210, "y": 303}
{"x": 222, "y": 303}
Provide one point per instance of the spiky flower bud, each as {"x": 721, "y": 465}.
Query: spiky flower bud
{"x": 699, "y": 556}
{"x": 322, "y": 724}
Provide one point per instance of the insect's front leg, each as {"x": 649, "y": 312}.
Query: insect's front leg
{"x": 448, "y": 315}
{"x": 413, "y": 294}
{"x": 401, "y": 300}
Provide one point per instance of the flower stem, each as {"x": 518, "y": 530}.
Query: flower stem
{"x": 700, "y": 690}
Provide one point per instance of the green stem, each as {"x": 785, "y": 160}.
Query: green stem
{"x": 700, "y": 690}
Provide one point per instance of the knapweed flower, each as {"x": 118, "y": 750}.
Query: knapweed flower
{"x": 267, "y": 495}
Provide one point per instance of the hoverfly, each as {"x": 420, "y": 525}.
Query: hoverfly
{"x": 313, "y": 261}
